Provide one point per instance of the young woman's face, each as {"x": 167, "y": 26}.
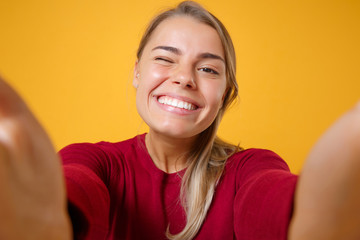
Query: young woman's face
{"x": 180, "y": 78}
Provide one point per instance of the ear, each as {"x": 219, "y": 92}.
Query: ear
{"x": 136, "y": 75}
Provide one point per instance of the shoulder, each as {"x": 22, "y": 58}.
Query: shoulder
{"x": 101, "y": 149}
{"x": 106, "y": 160}
{"x": 247, "y": 165}
{"x": 102, "y": 157}
{"x": 259, "y": 158}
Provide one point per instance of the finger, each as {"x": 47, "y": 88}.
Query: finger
{"x": 22, "y": 134}
{"x": 10, "y": 102}
{"x": 327, "y": 193}
{"x": 4, "y": 160}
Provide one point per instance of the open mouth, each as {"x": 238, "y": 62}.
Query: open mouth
{"x": 166, "y": 100}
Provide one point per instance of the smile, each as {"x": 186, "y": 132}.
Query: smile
{"x": 176, "y": 103}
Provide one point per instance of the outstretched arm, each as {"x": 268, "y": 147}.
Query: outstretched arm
{"x": 327, "y": 200}
{"x": 32, "y": 192}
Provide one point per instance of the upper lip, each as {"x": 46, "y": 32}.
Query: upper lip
{"x": 179, "y": 97}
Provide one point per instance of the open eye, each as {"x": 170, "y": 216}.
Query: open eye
{"x": 209, "y": 70}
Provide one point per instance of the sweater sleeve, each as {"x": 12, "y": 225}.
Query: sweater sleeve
{"x": 264, "y": 197}
{"x": 88, "y": 196}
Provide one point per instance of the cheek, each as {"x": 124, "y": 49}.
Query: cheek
{"x": 214, "y": 92}
{"x": 154, "y": 75}
{"x": 151, "y": 77}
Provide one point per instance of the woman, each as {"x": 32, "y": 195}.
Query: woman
{"x": 179, "y": 181}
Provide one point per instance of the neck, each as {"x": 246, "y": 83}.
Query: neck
{"x": 168, "y": 154}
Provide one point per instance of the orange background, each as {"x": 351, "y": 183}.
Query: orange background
{"x": 72, "y": 60}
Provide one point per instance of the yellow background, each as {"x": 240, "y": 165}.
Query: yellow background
{"x": 72, "y": 60}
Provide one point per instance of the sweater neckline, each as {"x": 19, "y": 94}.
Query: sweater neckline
{"x": 150, "y": 166}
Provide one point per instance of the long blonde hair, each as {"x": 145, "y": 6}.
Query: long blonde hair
{"x": 207, "y": 159}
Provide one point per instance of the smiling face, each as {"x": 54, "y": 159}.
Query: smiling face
{"x": 180, "y": 78}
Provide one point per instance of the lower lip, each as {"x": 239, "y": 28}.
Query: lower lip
{"x": 179, "y": 111}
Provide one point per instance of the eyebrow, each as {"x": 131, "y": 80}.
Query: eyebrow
{"x": 212, "y": 56}
{"x": 178, "y": 52}
{"x": 168, "y": 48}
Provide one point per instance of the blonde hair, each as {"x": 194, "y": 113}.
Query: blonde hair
{"x": 207, "y": 159}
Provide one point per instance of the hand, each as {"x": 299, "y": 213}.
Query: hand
{"x": 32, "y": 190}
{"x": 327, "y": 200}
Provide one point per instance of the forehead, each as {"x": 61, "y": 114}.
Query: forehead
{"x": 187, "y": 34}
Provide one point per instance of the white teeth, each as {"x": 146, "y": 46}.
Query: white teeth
{"x": 186, "y": 105}
{"x": 161, "y": 100}
{"x": 176, "y": 103}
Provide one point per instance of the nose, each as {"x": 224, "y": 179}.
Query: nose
{"x": 185, "y": 77}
